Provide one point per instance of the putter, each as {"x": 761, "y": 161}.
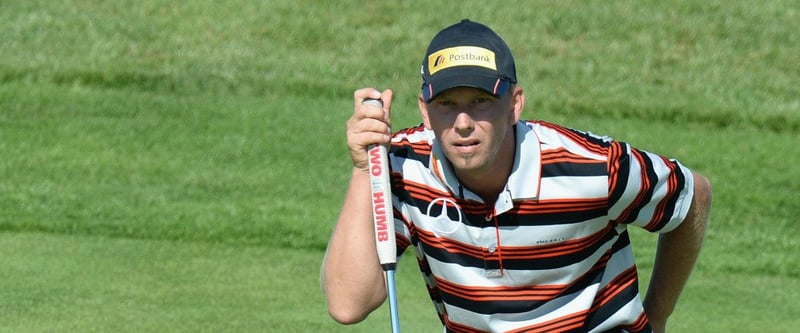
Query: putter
{"x": 382, "y": 215}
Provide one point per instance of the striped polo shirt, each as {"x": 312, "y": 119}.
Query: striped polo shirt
{"x": 553, "y": 253}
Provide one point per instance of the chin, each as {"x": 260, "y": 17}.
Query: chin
{"x": 469, "y": 163}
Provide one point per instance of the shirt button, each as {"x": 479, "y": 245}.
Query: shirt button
{"x": 492, "y": 248}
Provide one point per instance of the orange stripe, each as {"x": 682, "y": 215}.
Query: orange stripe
{"x": 639, "y": 324}
{"x": 559, "y": 205}
{"x": 561, "y": 324}
{"x": 422, "y": 191}
{"x": 613, "y": 288}
{"x": 569, "y": 160}
{"x": 488, "y": 294}
{"x": 563, "y": 155}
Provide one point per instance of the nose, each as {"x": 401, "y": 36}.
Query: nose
{"x": 464, "y": 124}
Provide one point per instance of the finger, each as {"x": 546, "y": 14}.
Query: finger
{"x": 386, "y": 97}
{"x": 372, "y": 110}
{"x": 365, "y": 93}
{"x": 370, "y": 125}
{"x": 361, "y": 140}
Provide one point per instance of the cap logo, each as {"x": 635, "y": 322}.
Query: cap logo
{"x": 461, "y": 56}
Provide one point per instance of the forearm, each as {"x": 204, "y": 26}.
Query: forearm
{"x": 676, "y": 256}
{"x": 352, "y": 279}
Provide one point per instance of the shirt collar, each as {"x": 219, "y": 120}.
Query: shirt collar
{"x": 525, "y": 178}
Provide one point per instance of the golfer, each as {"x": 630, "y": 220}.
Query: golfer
{"x": 517, "y": 225}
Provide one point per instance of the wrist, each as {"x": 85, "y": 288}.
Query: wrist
{"x": 656, "y": 314}
{"x": 658, "y": 327}
{"x": 360, "y": 172}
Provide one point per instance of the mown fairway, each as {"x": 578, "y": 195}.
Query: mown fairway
{"x": 178, "y": 166}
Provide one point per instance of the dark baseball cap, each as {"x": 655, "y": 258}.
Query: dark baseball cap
{"x": 467, "y": 54}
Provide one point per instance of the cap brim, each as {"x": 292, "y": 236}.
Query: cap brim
{"x": 475, "y": 79}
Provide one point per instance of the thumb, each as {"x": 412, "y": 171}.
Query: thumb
{"x": 386, "y": 98}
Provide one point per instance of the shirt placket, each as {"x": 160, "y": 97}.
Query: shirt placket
{"x": 493, "y": 252}
{"x": 492, "y": 259}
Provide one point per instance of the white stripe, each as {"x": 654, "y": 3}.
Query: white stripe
{"x": 574, "y": 187}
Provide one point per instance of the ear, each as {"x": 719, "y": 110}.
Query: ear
{"x": 517, "y": 104}
{"x": 423, "y": 111}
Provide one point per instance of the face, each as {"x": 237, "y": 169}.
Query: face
{"x": 475, "y": 128}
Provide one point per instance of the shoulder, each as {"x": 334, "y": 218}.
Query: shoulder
{"x": 557, "y": 137}
{"x": 555, "y": 131}
{"x": 412, "y": 134}
{"x": 413, "y": 142}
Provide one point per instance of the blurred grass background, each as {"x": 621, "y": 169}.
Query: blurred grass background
{"x": 178, "y": 166}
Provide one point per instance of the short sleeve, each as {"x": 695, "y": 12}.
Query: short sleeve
{"x": 647, "y": 190}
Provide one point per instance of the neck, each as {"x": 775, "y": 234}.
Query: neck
{"x": 488, "y": 187}
{"x": 488, "y": 183}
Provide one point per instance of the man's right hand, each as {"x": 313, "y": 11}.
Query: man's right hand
{"x": 368, "y": 125}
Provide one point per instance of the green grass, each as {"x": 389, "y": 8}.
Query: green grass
{"x": 94, "y": 283}
{"x": 178, "y": 166}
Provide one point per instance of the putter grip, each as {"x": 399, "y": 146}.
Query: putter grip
{"x": 382, "y": 211}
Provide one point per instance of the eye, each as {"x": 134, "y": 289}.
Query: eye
{"x": 443, "y": 102}
{"x": 482, "y": 99}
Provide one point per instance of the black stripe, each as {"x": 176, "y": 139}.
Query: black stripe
{"x": 554, "y": 218}
{"x": 622, "y": 174}
{"x": 574, "y": 169}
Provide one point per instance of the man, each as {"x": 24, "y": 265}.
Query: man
{"x": 519, "y": 226}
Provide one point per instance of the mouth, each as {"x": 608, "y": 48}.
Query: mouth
{"x": 466, "y": 146}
